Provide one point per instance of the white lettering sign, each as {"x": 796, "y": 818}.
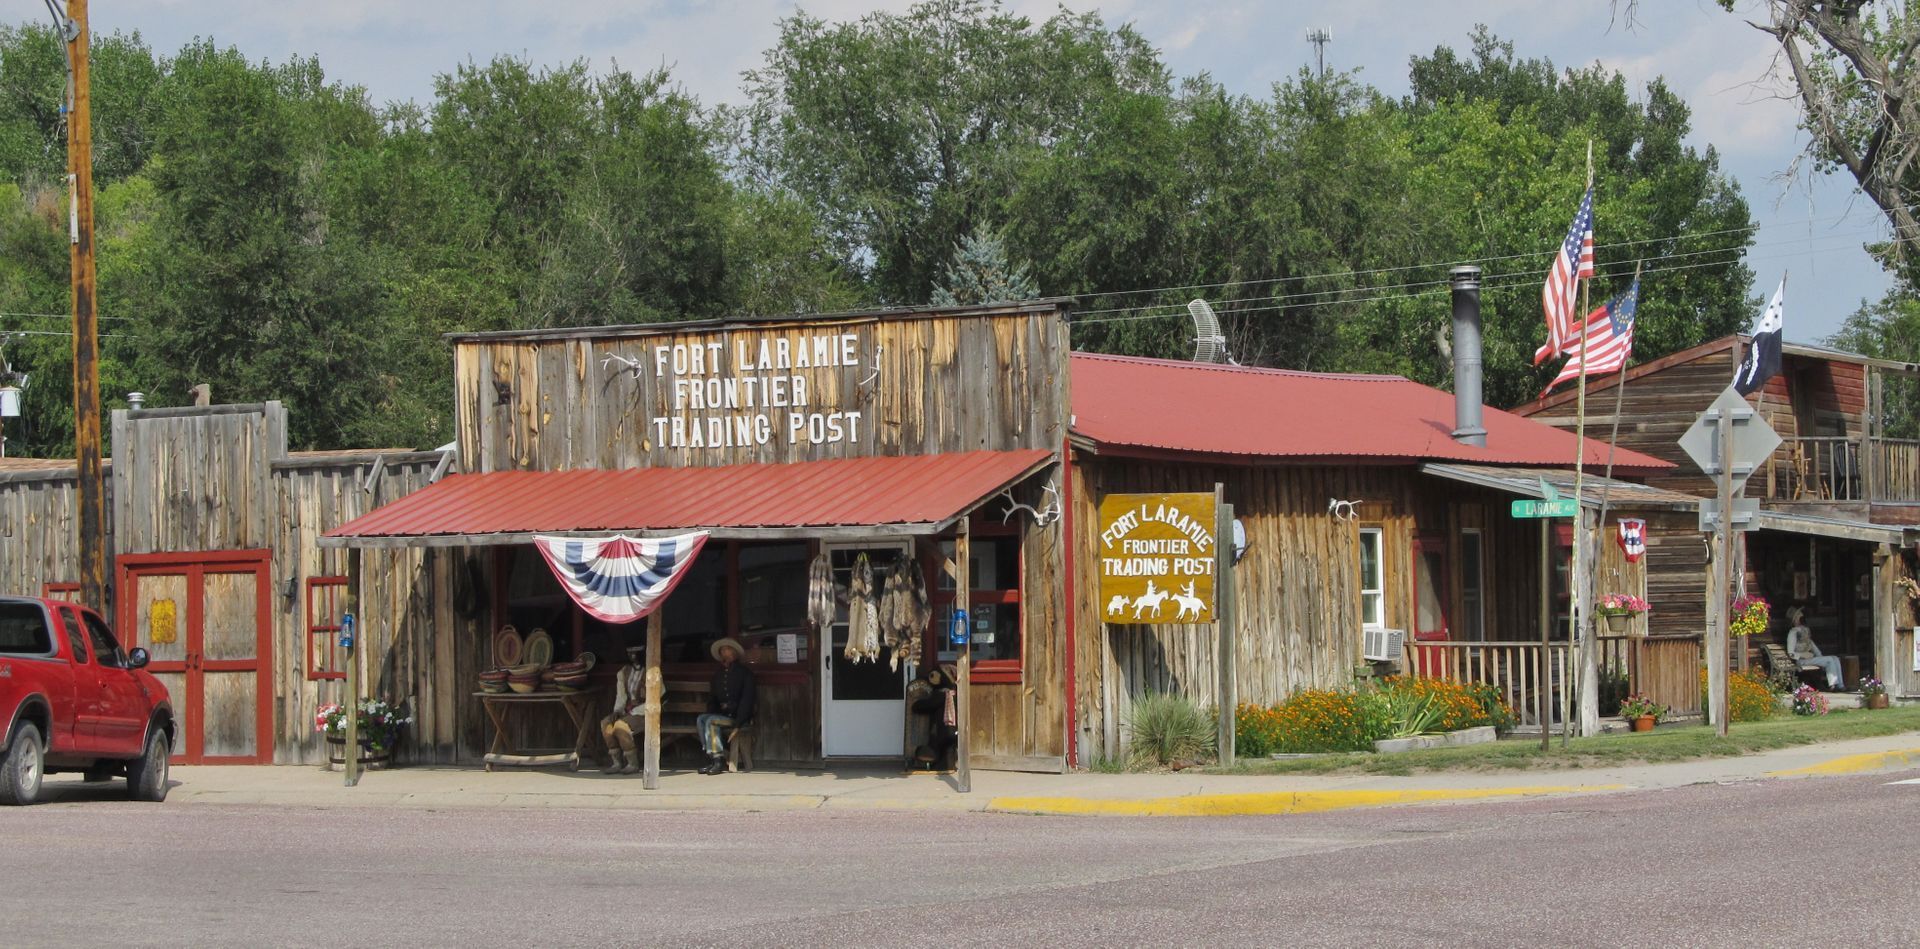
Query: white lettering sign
{"x": 758, "y": 391}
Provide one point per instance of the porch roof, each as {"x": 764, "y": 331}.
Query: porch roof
{"x": 1526, "y": 482}
{"x": 1819, "y": 525}
{"x": 916, "y": 494}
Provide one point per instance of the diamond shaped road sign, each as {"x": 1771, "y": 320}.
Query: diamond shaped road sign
{"x": 1753, "y": 438}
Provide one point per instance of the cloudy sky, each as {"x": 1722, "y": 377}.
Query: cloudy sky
{"x": 1721, "y": 66}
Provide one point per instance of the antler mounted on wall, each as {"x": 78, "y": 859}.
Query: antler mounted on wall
{"x": 1344, "y": 510}
{"x": 1041, "y": 517}
{"x": 631, "y": 365}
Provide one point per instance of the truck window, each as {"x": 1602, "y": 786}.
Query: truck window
{"x": 23, "y": 630}
{"x": 105, "y": 647}
{"x": 75, "y": 639}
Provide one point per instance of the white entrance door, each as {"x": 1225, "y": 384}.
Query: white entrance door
{"x": 863, "y": 709}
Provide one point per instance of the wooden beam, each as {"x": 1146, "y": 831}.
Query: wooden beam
{"x": 650, "y": 775}
{"x": 1227, "y": 696}
{"x": 962, "y": 603}
{"x": 718, "y": 533}
{"x": 352, "y": 748}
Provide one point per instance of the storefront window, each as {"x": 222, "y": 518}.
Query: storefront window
{"x": 1373, "y": 593}
{"x": 695, "y": 614}
{"x": 994, "y": 575}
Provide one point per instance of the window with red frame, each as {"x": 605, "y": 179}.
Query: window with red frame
{"x": 993, "y": 605}
{"x": 326, "y": 597}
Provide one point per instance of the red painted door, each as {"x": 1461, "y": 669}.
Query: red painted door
{"x": 204, "y": 620}
{"x": 85, "y": 736}
{"x": 1429, "y": 599}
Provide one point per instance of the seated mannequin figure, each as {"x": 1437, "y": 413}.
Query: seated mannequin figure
{"x": 629, "y": 694}
{"x": 1806, "y": 652}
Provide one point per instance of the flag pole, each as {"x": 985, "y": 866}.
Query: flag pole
{"x": 1619, "y": 399}
{"x": 1619, "y": 403}
{"x": 1575, "y": 603}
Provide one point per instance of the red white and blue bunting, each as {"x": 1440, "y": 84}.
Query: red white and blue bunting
{"x": 620, "y": 579}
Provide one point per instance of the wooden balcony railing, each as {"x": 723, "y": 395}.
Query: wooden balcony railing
{"x": 1829, "y": 468}
{"x": 1664, "y": 668}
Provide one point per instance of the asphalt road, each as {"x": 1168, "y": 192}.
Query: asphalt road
{"x": 1787, "y": 863}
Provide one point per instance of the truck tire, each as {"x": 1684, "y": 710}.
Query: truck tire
{"x": 147, "y": 774}
{"x": 23, "y": 766}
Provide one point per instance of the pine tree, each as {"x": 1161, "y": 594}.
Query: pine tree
{"x": 981, "y": 273}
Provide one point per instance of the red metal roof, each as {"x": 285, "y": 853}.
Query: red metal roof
{"x": 916, "y": 489}
{"x": 1146, "y": 406}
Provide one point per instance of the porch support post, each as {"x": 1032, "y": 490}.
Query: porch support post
{"x": 650, "y": 773}
{"x": 352, "y": 703}
{"x": 1543, "y": 686}
{"x": 963, "y": 601}
{"x": 1223, "y": 619}
{"x": 1885, "y": 567}
{"x": 1586, "y": 534}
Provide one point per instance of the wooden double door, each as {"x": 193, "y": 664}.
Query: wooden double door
{"x": 205, "y": 619}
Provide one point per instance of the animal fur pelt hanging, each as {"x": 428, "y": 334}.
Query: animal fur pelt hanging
{"x": 863, "y": 614}
{"x": 904, "y": 610}
{"x": 820, "y": 592}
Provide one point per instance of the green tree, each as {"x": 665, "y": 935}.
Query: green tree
{"x": 1889, "y": 329}
{"x": 902, "y": 131}
{"x": 980, "y": 272}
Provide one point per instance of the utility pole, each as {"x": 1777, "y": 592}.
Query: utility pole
{"x": 86, "y": 322}
{"x": 1320, "y": 37}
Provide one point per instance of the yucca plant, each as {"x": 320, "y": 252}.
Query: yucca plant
{"x": 1167, "y": 728}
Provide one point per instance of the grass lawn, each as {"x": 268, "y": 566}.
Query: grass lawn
{"x": 1676, "y": 743}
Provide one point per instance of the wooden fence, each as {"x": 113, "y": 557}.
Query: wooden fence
{"x": 1836, "y": 468}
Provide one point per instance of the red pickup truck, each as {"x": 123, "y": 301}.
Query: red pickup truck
{"x": 72, "y": 700}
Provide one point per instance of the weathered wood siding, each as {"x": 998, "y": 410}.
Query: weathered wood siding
{"x": 39, "y": 539}
{"x": 192, "y": 479}
{"x": 422, "y": 611}
{"x": 945, "y": 384}
{"x": 1297, "y": 614}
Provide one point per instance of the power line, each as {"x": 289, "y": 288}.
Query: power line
{"x": 1483, "y": 260}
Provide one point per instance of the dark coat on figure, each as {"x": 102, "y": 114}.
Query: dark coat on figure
{"x": 732, "y": 693}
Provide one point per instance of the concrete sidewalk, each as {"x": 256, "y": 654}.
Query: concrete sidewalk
{"x": 993, "y": 791}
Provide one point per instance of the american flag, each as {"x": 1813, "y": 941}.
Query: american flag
{"x": 1609, "y": 339}
{"x": 1573, "y": 264}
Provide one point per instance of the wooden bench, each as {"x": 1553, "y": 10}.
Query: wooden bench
{"x": 682, "y": 703}
{"x": 1779, "y": 663}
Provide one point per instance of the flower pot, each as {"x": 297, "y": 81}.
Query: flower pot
{"x": 1643, "y": 723}
{"x": 1618, "y": 623}
{"x": 337, "y": 752}
{"x": 1877, "y": 701}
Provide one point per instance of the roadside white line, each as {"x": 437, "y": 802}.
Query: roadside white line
{"x": 1907, "y": 781}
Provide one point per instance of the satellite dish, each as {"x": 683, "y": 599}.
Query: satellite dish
{"x": 1209, "y": 342}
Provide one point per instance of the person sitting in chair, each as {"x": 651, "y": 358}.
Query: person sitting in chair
{"x": 629, "y": 694}
{"x": 1806, "y": 652}
{"x": 729, "y": 703}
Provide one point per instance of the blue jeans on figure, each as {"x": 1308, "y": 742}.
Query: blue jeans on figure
{"x": 709, "y": 728}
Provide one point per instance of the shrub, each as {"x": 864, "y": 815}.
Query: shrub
{"x": 1749, "y": 696}
{"x": 1317, "y": 720}
{"x": 1168, "y": 728}
{"x": 1461, "y": 704}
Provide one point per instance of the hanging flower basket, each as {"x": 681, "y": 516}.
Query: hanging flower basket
{"x": 1619, "y": 609}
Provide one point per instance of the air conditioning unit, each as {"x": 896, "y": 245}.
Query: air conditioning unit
{"x": 1382, "y": 645}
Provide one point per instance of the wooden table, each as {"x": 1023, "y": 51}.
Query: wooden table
{"x": 578, "y": 706}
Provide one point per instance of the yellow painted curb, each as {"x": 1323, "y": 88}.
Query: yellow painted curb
{"x": 1857, "y": 764}
{"x": 1281, "y": 802}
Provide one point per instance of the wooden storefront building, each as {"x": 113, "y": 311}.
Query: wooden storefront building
{"x": 1839, "y": 499}
{"x": 887, "y": 433}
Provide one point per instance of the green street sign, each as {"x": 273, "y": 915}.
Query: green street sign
{"x": 1559, "y": 507}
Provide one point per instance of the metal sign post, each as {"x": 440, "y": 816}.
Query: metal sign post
{"x": 1228, "y": 702}
{"x": 1728, "y": 441}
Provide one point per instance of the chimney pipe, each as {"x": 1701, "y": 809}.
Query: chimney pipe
{"x": 1467, "y": 429}
{"x": 135, "y": 400}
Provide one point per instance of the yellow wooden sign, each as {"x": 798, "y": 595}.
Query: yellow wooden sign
{"x": 1156, "y": 558}
{"x": 163, "y": 627}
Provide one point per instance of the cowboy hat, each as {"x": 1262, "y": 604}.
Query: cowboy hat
{"x": 738, "y": 649}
